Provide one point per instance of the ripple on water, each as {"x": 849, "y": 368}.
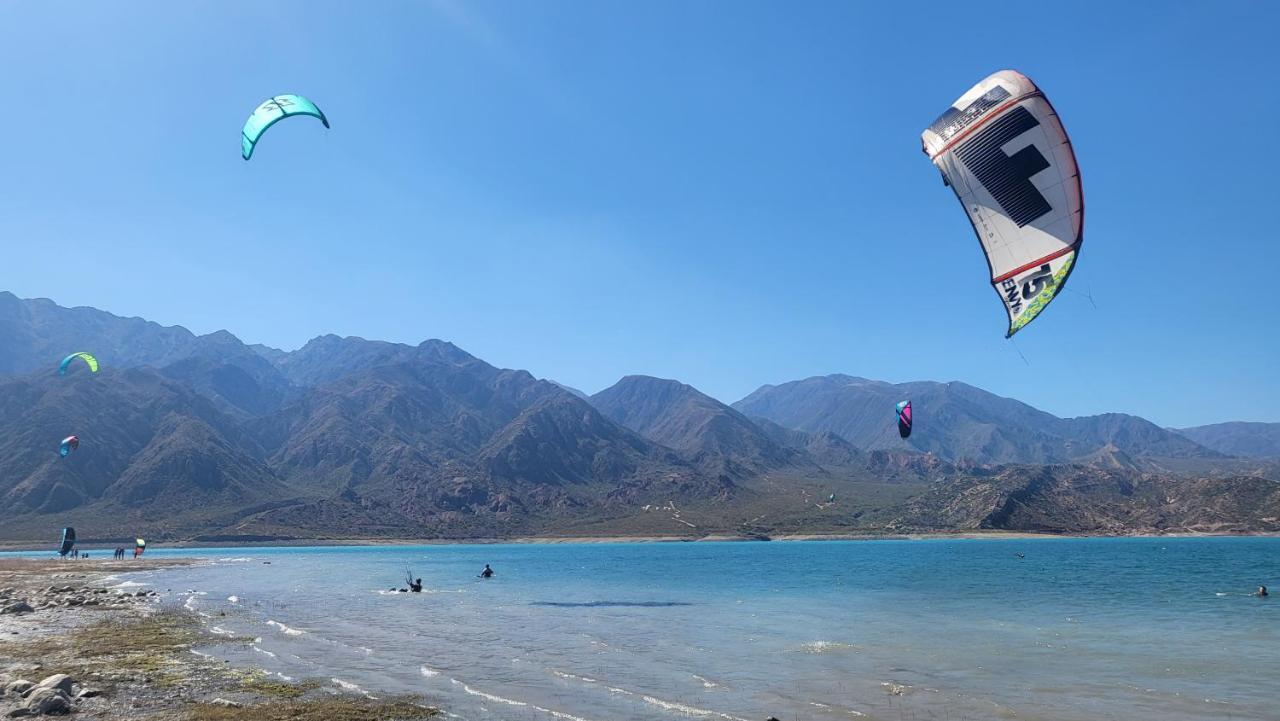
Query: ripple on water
{"x": 288, "y": 631}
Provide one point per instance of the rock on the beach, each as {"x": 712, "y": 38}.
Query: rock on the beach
{"x": 46, "y": 701}
{"x": 59, "y": 681}
{"x": 225, "y": 703}
{"x": 18, "y": 688}
{"x": 17, "y": 608}
{"x": 87, "y": 693}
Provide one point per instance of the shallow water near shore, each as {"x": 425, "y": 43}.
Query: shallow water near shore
{"x": 1150, "y": 628}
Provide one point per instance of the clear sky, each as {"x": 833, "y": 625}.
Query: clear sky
{"x": 729, "y": 193}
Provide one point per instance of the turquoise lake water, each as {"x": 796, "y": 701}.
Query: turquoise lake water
{"x": 1079, "y": 629}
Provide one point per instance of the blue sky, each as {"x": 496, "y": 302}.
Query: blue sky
{"x": 728, "y": 193}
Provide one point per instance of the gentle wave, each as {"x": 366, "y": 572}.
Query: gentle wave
{"x": 560, "y": 714}
{"x": 428, "y": 672}
{"x": 512, "y": 702}
{"x": 706, "y": 683}
{"x": 610, "y": 604}
{"x": 827, "y": 707}
{"x": 688, "y": 710}
{"x": 676, "y": 706}
{"x": 285, "y": 629}
{"x": 488, "y": 696}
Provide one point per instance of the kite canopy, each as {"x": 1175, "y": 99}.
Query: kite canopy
{"x": 139, "y": 548}
{"x": 904, "y": 419}
{"x": 88, "y": 359}
{"x": 272, "y": 111}
{"x": 69, "y": 444}
{"x": 1003, "y": 150}
{"x": 68, "y": 541}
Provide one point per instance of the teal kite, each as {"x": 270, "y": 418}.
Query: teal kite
{"x": 271, "y": 112}
{"x": 88, "y": 359}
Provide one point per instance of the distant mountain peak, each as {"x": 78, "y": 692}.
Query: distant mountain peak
{"x": 1238, "y": 438}
{"x": 679, "y": 416}
{"x": 960, "y": 421}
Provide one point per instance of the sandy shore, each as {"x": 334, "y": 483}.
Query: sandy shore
{"x": 902, "y": 536}
{"x": 72, "y": 642}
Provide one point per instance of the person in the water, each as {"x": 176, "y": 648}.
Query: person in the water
{"x": 1262, "y": 592}
{"x": 416, "y": 586}
{"x": 487, "y": 572}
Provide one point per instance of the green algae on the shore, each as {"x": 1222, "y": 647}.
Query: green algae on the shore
{"x": 262, "y": 684}
{"x": 336, "y": 708}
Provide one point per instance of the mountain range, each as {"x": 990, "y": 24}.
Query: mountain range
{"x": 1250, "y": 440}
{"x": 208, "y": 438}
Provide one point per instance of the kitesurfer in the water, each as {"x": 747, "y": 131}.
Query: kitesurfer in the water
{"x": 487, "y": 572}
{"x": 416, "y": 586}
{"x": 1262, "y": 592}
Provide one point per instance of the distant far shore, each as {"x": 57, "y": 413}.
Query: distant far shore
{"x": 102, "y": 547}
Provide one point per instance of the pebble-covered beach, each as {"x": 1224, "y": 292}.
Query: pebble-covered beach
{"x": 74, "y": 642}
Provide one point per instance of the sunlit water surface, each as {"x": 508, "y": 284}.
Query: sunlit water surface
{"x": 1079, "y": 629}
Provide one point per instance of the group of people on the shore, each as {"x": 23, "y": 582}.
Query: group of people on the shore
{"x": 118, "y": 554}
{"x": 415, "y": 584}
